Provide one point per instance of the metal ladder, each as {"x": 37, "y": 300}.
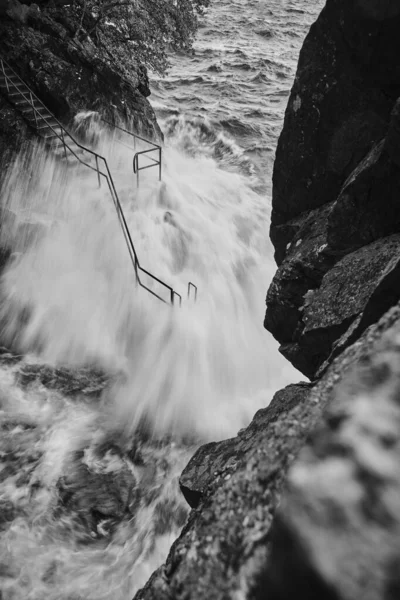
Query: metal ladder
{"x": 62, "y": 143}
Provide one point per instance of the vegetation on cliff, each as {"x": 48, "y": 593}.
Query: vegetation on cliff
{"x": 143, "y": 29}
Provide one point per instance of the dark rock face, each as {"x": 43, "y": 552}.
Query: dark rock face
{"x": 338, "y": 532}
{"x": 336, "y": 231}
{"x": 336, "y": 185}
{"x": 235, "y": 487}
{"x": 347, "y": 81}
{"x": 14, "y": 132}
{"x": 336, "y": 535}
{"x": 67, "y": 74}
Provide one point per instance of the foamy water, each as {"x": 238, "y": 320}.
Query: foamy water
{"x": 88, "y": 486}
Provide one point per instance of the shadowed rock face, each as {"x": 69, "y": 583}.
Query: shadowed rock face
{"x": 347, "y": 81}
{"x": 67, "y": 74}
{"x": 336, "y": 231}
{"x": 234, "y": 487}
{"x": 336, "y": 185}
{"x": 338, "y": 531}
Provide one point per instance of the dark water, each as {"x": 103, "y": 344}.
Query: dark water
{"x": 233, "y": 89}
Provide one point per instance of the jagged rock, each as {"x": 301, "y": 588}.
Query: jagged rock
{"x": 67, "y": 74}
{"x": 69, "y": 382}
{"x": 236, "y": 486}
{"x": 337, "y": 535}
{"x": 347, "y": 81}
{"x": 360, "y": 287}
{"x": 338, "y": 532}
{"x": 336, "y": 186}
{"x": 14, "y": 133}
{"x": 101, "y": 491}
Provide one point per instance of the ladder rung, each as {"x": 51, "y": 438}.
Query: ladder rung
{"x": 12, "y": 84}
{"x": 37, "y": 108}
{"x": 24, "y": 101}
{"x": 15, "y": 93}
{"x": 48, "y": 124}
{"x": 51, "y": 136}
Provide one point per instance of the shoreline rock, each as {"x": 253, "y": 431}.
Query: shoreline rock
{"x": 336, "y": 185}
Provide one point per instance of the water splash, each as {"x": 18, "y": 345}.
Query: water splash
{"x": 180, "y": 376}
{"x": 184, "y": 369}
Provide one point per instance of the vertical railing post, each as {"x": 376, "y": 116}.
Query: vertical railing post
{"x": 34, "y": 109}
{"x": 63, "y": 141}
{"x": 5, "y": 76}
{"x": 190, "y": 286}
{"x": 159, "y": 163}
{"x": 97, "y": 169}
{"x": 172, "y": 296}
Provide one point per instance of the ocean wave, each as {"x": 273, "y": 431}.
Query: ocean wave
{"x": 239, "y": 127}
{"x": 261, "y": 78}
{"x": 199, "y": 137}
{"x": 265, "y": 33}
{"x": 215, "y": 68}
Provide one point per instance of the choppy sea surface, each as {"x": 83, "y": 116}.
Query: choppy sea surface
{"x": 236, "y": 83}
{"x": 108, "y": 392}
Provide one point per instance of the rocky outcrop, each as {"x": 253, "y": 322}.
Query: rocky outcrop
{"x": 337, "y": 534}
{"x": 234, "y": 487}
{"x": 68, "y": 73}
{"x": 338, "y": 531}
{"x": 336, "y": 185}
{"x": 336, "y": 231}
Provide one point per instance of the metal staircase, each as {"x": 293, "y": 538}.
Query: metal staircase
{"x": 64, "y": 145}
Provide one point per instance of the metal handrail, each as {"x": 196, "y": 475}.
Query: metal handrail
{"x": 134, "y": 135}
{"x": 156, "y": 148}
{"x": 107, "y": 175}
{"x": 190, "y": 286}
{"x": 136, "y": 167}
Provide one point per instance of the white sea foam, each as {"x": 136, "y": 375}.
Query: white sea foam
{"x": 70, "y": 298}
{"x": 194, "y": 369}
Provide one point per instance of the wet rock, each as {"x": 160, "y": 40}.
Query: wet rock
{"x": 336, "y": 187}
{"x": 360, "y": 287}
{"x": 69, "y": 382}
{"x": 68, "y": 74}
{"x": 338, "y": 531}
{"x": 14, "y": 133}
{"x": 100, "y": 490}
{"x": 112, "y": 482}
{"x": 347, "y": 81}
{"x": 235, "y": 487}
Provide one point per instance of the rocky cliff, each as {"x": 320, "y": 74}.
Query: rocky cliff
{"x": 68, "y": 72}
{"x": 326, "y": 453}
{"x": 335, "y": 218}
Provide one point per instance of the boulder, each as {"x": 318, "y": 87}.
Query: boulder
{"x": 360, "y": 287}
{"x": 338, "y": 530}
{"x": 70, "y": 74}
{"x": 234, "y": 487}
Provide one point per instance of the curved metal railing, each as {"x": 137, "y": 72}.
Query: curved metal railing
{"x": 156, "y": 148}
{"x": 30, "y": 97}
